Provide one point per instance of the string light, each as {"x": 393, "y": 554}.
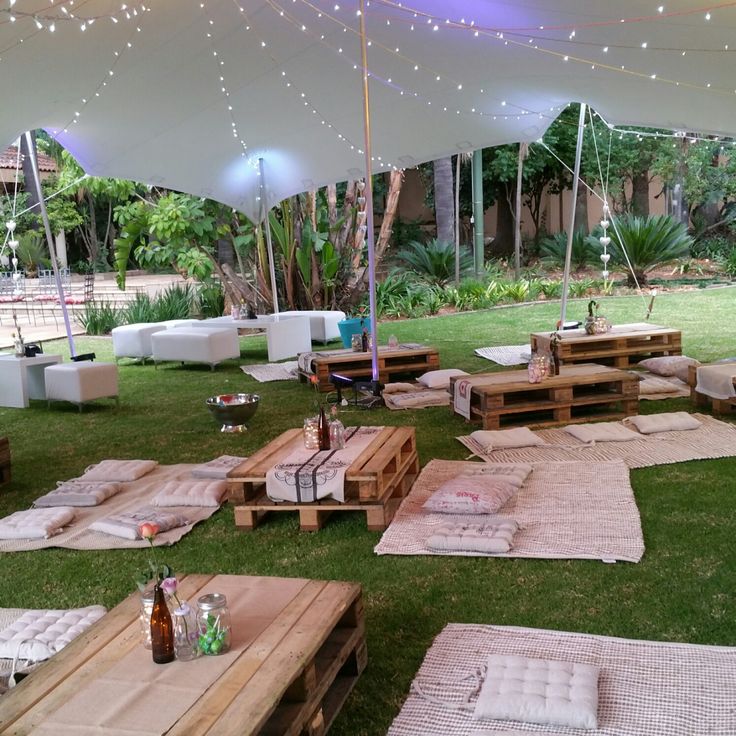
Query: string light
{"x": 48, "y": 19}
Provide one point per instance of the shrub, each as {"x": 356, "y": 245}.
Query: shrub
{"x": 551, "y": 289}
{"x": 175, "y": 302}
{"x": 99, "y": 318}
{"x": 435, "y": 261}
{"x": 649, "y": 242}
{"x": 141, "y": 309}
{"x": 585, "y": 250}
{"x": 211, "y": 300}
{"x": 577, "y": 288}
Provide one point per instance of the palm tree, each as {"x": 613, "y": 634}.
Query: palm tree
{"x": 444, "y": 206}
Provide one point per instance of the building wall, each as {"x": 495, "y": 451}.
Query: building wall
{"x": 413, "y": 209}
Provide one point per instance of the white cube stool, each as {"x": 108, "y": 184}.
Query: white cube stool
{"x": 322, "y": 322}
{"x": 210, "y": 345}
{"x": 134, "y": 341}
{"x": 81, "y": 382}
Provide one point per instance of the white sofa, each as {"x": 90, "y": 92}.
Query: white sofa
{"x": 134, "y": 341}
{"x": 322, "y": 322}
{"x": 210, "y": 345}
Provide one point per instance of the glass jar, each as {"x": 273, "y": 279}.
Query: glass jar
{"x": 144, "y": 617}
{"x": 213, "y": 624}
{"x": 337, "y": 434}
{"x": 356, "y": 342}
{"x": 393, "y": 342}
{"x": 536, "y": 368}
{"x": 311, "y": 433}
{"x": 186, "y": 633}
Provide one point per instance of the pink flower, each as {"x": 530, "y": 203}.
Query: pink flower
{"x": 168, "y": 585}
{"x": 148, "y": 530}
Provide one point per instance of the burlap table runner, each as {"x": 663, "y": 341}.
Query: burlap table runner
{"x": 309, "y": 475}
{"x": 136, "y": 696}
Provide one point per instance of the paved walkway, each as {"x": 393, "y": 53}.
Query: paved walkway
{"x": 42, "y": 322}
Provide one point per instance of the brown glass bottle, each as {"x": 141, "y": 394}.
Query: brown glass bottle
{"x": 364, "y": 340}
{"x": 323, "y": 430}
{"x": 162, "y": 629}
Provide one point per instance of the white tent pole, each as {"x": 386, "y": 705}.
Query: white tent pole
{"x": 571, "y": 228}
{"x": 269, "y": 244}
{"x": 369, "y": 197}
{"x": 50, "y": 238}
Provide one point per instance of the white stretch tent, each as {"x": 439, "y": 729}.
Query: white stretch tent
{"x": 189, "y": 94}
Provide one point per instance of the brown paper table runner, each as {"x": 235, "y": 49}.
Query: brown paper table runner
{"x": 136, "y": 696}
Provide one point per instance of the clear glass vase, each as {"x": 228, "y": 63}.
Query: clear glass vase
{"x": 186, "y": 633}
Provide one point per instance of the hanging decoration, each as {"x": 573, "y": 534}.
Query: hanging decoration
{"x": 605, "y": 240}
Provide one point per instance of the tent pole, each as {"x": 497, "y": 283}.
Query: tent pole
{"x": 269, "y": 244}
{"x": 571, "y": 228}
{"x": 370, "y": 235}
{"x": 50, "y": 238}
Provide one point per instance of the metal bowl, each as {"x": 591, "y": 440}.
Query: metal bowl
{"x": 232, "y": 411}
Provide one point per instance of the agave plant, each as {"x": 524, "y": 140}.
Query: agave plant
{"x": 435, "y": 261}
{"x": 649, "y": 242}
{"x": 585, "y": 250}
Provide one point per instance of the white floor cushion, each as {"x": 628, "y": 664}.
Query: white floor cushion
{"x": 78, "y": 494}
{"x": 440, "y": 378}
{"x": 39, "y": 634}
{"x": 122, "y": 471}
{"x": 217, "y": 468}
{"x": 510, "y": 472}
{"x": 127, "y": 524}
{"x": 602, "y": 432}
{"x": 669, "y": 422}
{"x": 470, "y": 494}
{"x": 539, "y": 691}
{"x": 36, "y": 523}
{"x": 506, "y": 439}
{"x": 491, "y": 537}
{"x": 191, "y": 493}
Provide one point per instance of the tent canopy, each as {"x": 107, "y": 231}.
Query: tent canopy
{"x": 189, "y": 94}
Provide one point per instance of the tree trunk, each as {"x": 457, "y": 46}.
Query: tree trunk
{"x": 29, "y": 184}
{"x": 503, "y": 242}
{"x": 357, "y": 284}
{"x": 581, "y": 209}
{"x": 444, "y": 206}
{"x": 94, "y": 243}
{"x": 640, "y": 194}
{"x": 332, "y": 205}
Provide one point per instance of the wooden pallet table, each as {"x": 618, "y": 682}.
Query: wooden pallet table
{"x": 718, "y": 406}
{"x": 404, "y": 360}
{"x": 4, "y": 461}
{"x": 624, "y": 345}
{"x": 298, "y": 648}
{"x": 580, "y": 393}
{"x": 375, "y": 483}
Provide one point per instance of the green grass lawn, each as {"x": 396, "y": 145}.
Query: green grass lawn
{"x": 682, "y": 590}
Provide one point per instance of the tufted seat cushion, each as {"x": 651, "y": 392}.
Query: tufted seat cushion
{"x": 495, "y": 535}
{"x": 37, "y": 635}
{"x": 539, "y": 691}
{"x": 36, "y": 523}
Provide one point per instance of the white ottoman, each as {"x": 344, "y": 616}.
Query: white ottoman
{"x": 134, "y": 341}
{"x": 209, "y": 345}
{"x": 322, "y": 323}
{"x": 80, "y": 382}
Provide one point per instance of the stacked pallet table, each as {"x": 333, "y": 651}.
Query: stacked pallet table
{"x": 621, "y": 347}
{"x": 580, "y": 393}
{"x": 375, "y": 483}
{"x": 4, "y": 461}
{"x": 409, "y": 360}
{"x": 298, "y": 647}
{"x": 718, "y": 406}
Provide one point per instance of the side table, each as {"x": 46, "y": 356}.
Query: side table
{"x": 22, "y": 379}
